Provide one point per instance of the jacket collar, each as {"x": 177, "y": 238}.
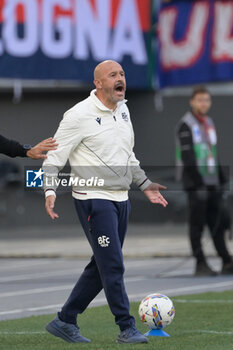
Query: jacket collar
{"x": 100, "y": 105}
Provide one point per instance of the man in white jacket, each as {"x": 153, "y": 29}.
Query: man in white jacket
{"x": 96, "y": 135}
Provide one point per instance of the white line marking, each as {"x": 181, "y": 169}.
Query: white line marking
{"x": 31, "y": 309}
{"x": 21, "y": 333}
{"x": 132, "y": 297}
{"x": 37, "y": 275}
{"x": 36, "y": 291}
{"x": 16, "y": 311}
{"x": 99, "y": 301}
{"x": 135, "y": 279}
{"x": 56, "y": 306}
{"x": 33, "y": 276}
{"x": 209, "y": 332}
{"x": 202, "y": 301}
{"x": 141, "y": 263}
{"x": 128, "y": 263}
{"x": 209, "y": 286}
{"x": 23, "y": 264}
{"x": 193, "y": 331}
{"x": 55, "y": 289}
{"x": 168, "y": 291}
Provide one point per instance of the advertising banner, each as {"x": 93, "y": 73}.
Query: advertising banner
{"x": 65, "y": 39}
{"x": 195, "y": 42}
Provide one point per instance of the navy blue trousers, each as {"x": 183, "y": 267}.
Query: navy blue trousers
{"x": 105, "y": 224}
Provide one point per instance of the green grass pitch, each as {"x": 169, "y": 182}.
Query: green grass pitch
{"x": 202, "y": 322}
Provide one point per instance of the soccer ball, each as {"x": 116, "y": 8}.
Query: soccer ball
{"x": 156, "y": 311}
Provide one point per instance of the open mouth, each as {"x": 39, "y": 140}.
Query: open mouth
{"x": 120, "y": 88}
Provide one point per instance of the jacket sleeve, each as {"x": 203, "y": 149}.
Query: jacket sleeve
{"x": 191, "y": 174}
{"x": 68, "y": 137}
{"x": 138, "y": 174}
{"x": 11, "y": 148}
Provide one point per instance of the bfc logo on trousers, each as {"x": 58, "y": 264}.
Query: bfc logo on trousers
{"x": 104, "y": 241}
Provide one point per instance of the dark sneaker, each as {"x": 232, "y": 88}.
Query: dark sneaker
{"x": 131, "y": 336}
{"x": 227, "y": 269}
{"x": 203, "y": 269}
{"x": 67, "y": 331}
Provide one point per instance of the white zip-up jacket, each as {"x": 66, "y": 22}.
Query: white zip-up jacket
{"x": 99, "y": 144}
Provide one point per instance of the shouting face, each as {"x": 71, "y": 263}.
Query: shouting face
{"x": 109, "y": 79}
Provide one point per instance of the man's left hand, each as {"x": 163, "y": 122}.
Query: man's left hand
{"x": 153, "y": 194}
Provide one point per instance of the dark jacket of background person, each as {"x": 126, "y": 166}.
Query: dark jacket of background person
{"x": 11, "y": 148}
{"x": 191, "y": 177}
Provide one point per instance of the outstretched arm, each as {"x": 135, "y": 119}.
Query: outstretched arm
{"x": 150, "y": 189}
{"x": 13, "y": 148}
{"x": 153, "y": 194}
{"x": 36, "y": 152}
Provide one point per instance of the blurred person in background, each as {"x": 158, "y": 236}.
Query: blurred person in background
{"x": 203, "y": 179}
{"x": 13, "y": 148}
{"x": 97, "y": 132}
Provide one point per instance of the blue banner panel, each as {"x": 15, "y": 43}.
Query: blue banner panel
{"x": 195, "y": 42}
{"x": 66, "y": 39}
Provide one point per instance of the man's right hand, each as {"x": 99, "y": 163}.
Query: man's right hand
{"x": 36, "y": 152}
{"x": 49, "y": 206}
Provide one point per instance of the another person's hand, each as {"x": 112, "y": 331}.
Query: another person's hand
{"x": 49, "y": 206}
{"x": 153, "y": 194}
{"x": 36, "y": 152}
